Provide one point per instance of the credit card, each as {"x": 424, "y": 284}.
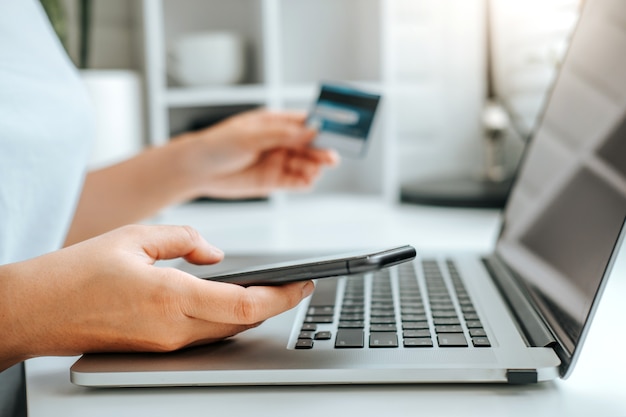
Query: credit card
{"x": 343, "y": 117}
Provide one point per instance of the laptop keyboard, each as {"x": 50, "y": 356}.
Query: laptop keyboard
{"x": 399, "y": 311}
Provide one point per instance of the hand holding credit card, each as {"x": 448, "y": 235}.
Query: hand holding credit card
{"x": 343, "y": 116}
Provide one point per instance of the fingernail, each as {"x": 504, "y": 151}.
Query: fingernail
{"x": 216, "y": 250}
{"x": 308, "y": 289}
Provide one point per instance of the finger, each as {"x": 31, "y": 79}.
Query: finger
{"x": 290, "y": 116}
{"x": 280, "y": 129}
{"x": 284, "y": 135}
{"x": 169, "y": 242}
{"x": 304, "y": 168}
{"x": 233, "y": 304}
{"x": 324, "y": 156}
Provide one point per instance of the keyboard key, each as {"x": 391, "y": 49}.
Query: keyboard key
{"x": 473, "y": 324}
{"x": 353, "y": 310}
{"x": 309, "y": 327}
{"x": 448, "y": 329}
{"x": 446, "y": 322}
{"x": 421, "y": 342}
{"x": 416, "y": 333}
{"x": 351, "y": 324}
{"x": 383, "y": 328}
{"x": 382, "y": 313}
{"x": 415, "y": 325}
{"x": 413, "y": 317}
{"x": 382, "y": 306}
{"x": 352, "y": 303}
{"x": 413, "y": 311}
{"x": 442, "y": 306}
{"x": 318, "y": 319}
{"x": 351, "y": 317}
{"x": 323, "y": 336}
{"x": 383, "y": 320}
{"x": 444, "y": 314}
{"x": 321, "y": 311}
{"x": 325, "y": 293}
{"x": 470, "y": 316}
{"x": 477, "y": 332}
{"x": 481, "y": 342}
{"x": 383, "y": 340}
{"x": 349, "y": 338}
{"x": 451, "y": 340}
{"x": 304, "y": 344}
{"x": 306, "y": 335}
{"x": 468, "y": 309}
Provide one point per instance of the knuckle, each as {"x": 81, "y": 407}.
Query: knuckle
{"x": 172, "y": 343}
{"x": 246, "y": 309}
{"x": 194, "y": 235}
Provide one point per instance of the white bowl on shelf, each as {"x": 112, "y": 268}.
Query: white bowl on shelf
{"x": 207, "y": 58}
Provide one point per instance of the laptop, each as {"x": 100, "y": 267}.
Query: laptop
{"x": 518, "y": 315}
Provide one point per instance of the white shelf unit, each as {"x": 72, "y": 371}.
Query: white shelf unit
{"x": 423, "y": 56}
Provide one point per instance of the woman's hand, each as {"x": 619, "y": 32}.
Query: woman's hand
{"x": 105, "y": 294}
{"x": 248, "y": 155}
{"x": 254, "y": 153}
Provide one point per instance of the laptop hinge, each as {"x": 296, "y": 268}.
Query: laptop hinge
{"x": 521, "y": 376}
{"x": 529, "y": 321}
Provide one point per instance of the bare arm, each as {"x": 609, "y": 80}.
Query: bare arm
{"x": 130, "y": 191}
{"x": 249, "y": 155}
{"x": 105, "y": 295}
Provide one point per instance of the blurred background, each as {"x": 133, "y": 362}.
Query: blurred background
{"x": 463, "y": 81}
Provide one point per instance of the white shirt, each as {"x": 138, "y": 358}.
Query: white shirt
{"x": 45, "y": 133}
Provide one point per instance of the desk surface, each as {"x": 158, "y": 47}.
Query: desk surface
{"x": 340, "y": 223}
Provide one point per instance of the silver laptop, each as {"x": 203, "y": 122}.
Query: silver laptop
{"x": 517, "y": 315}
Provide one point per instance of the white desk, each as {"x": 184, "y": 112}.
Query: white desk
{"x": 596, "y": 387}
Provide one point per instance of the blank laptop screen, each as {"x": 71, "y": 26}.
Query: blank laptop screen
{"x": 565, "y": 214}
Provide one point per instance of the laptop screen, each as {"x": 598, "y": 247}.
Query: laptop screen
{"x": 565, "y": 213}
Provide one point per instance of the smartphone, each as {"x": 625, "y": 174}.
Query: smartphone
{"x": 325, "y": 267}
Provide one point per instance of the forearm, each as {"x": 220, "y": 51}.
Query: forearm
{"x": 106, "y": 295}
{"x": 13, "y": 313}
{"x": 132, "y": 190}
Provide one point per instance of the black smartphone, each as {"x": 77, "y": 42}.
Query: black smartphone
{"x": 325, "y": 267}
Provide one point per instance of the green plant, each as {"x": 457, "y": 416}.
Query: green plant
{"x": 55, "y": 9}
{"x": 58, "y": 18}
{"x": 85, "y": 32}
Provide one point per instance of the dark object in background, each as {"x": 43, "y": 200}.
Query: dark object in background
{"x": 217, "y": 114}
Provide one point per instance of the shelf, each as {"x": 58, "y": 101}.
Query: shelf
{"x": 216, "y": 96}
{"x": 427, "y": 73}
{"x": 180, "y": 97}
{"x": 309, "y": 91}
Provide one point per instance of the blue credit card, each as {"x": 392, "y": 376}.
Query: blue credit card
{"x": 343, "y": 117}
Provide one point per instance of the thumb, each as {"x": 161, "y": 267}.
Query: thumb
{"x": 169, "y": 242}
{"x": 283, "y": 131}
